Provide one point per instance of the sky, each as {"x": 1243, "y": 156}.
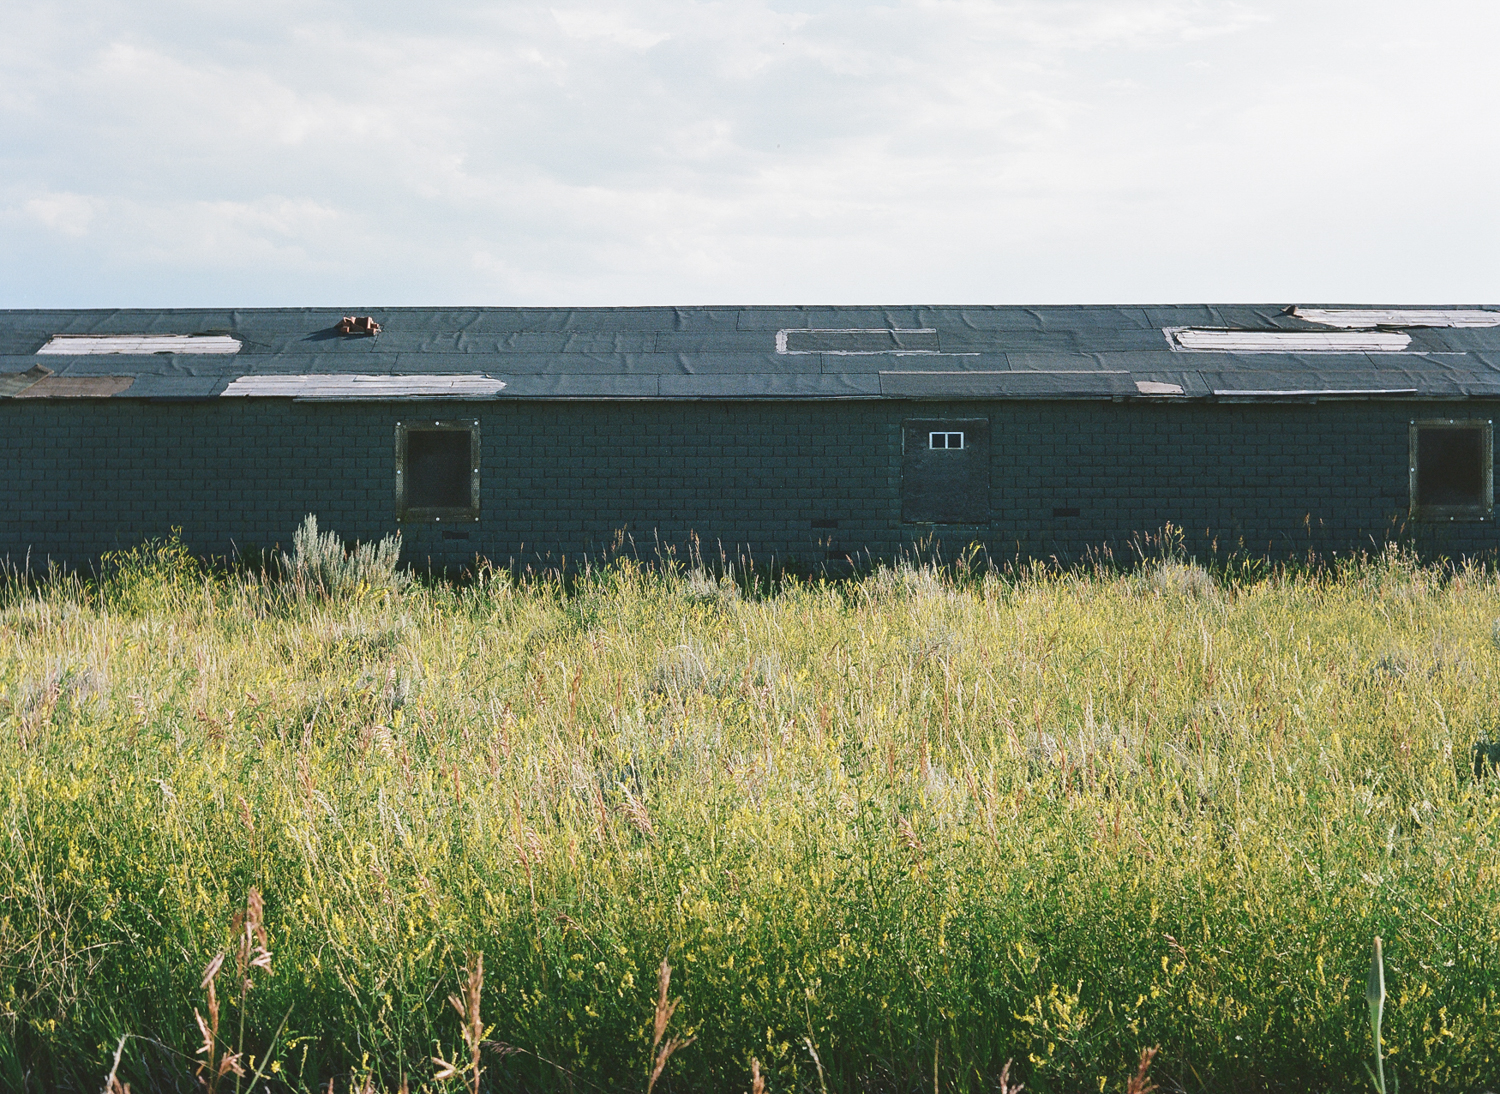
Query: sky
{"x": 175, "y": 153}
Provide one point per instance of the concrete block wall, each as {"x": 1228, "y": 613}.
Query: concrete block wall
{"x": 561, "y": 479}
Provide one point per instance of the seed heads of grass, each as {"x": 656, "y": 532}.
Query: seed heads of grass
{"x": 466, "y": 1003}
{"x": 663, "y": 1050}
{"x": 1141, "y": 1082}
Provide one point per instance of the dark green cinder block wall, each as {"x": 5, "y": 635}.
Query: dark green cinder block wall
{"x": 561, "y": 479}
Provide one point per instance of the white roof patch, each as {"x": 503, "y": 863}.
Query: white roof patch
{"x": 1156, "y": 387}
{"x": 75, "y": 344}
{"x": 1214, "y": 340}
{"x": 1370, "y": 318}
{"x": 334, "y": 385}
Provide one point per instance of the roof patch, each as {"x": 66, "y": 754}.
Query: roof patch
{"x": 858, "y": 341}
{"x": 75, "y": 344}
{"x": 76, "y": 387}
{"x": 1220, "y": 340}
{"x": 342, "y": 386}
{"x": 1371, "y": 318}
{"x": 1324, "y": 393}
{"x": 13, "y": 383}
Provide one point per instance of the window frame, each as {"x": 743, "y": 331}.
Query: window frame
{"x": 947, "y": 435}
{"x": 410, "y": 514}
{"x": 1483, "y": 511}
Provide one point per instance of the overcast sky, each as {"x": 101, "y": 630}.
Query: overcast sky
{"x": 307, "y": 152}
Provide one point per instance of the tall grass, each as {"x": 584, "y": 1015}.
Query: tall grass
{"x": 890, "y": 833}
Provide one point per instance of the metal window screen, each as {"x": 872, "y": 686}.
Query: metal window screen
{"x": 437, "y": 471}
{"x": 1452, "y": 470}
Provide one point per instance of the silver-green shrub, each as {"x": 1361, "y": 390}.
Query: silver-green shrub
{"x": 321, "y": 566}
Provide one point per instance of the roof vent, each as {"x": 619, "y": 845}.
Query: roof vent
{"x": 358, "y": 324}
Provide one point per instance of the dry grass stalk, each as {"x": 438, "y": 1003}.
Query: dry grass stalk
{"x": 635, "y": 812}
{"x": 213, "y": 1064}
{"x": 529, "y": 847}
{"x": 1140, "y": 1082}
{"x": 466, "y": 1003}
{"x": 1005, "y": 1087}
{"x": 664, "y": 1011}
{"x": 817, "y": 1063}
{"x": 252, "y": 951}
{"x": 252, "y": 942}
{"x": 112, "y": 1084}
{"x": 909, "y": 836}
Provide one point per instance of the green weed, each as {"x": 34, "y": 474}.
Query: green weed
{"x": 894, "y": 832}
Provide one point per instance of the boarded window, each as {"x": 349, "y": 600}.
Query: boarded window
{"x": 437, "y": 471}
{"x": 1452, "y": 476}
{"x": 945, "y": 471}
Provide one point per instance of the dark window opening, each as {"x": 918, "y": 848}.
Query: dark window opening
{"x": 1452, "y": 470}
{"x": 945, "y": 471}
{"x": 437, "y": 471}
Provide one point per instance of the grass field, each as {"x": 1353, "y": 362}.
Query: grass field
{"x": 888, "y": 832}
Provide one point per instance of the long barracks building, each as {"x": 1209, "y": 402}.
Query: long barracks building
{"x": 800, "y": 434}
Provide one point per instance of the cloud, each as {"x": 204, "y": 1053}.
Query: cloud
{"x": 747, "y": 150}
{"x": 66, "y": 213}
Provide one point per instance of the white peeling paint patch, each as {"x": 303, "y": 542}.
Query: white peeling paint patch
{"x": 73, "y": 345}
{"x": 1212, "y": 340}
{"x": 354, "y": 386}
{"x": 1153, "y": 387}
{"x": 1370, "y": 318}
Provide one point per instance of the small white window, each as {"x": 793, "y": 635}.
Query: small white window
{"x": 945, "y": 440}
